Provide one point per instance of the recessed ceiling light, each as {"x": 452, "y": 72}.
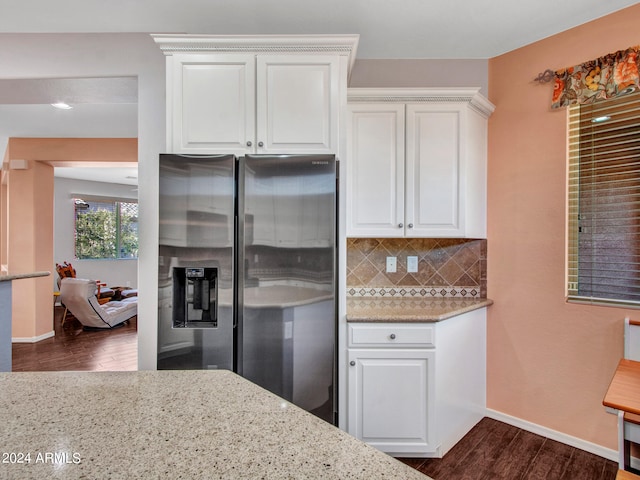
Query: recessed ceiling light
{"x": 604, "y": 118}
{"x": 62, "y": 106}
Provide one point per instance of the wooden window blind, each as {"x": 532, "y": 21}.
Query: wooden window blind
{"x": 604, "y": 202}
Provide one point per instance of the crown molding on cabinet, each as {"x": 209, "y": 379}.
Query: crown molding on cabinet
{"x": 306, "y": 44}
{"x": 472, "y": 96}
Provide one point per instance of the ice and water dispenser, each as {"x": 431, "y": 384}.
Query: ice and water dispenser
{"x": 195, "y": 297}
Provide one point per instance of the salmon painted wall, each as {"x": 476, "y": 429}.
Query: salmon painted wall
{"x": 30, "y": 245}
{"x": 549, "y": 362}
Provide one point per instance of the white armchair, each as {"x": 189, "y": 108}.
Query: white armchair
{"x": 79, "y": 296}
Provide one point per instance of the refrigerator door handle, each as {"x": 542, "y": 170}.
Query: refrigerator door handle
{"x": 239, "y": 267}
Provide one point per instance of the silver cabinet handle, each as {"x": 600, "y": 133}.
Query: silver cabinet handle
{"x": 249, "y": 143}
{"x": 400, "y": 225}
{"x": 352, "y": 363}
{"x": 392, "y": 336}
{"x": 260, "y": 144}
{"x": 411, "y": 225}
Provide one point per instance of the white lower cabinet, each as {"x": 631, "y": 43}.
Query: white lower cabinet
{"x": 415, "y": 389}
{"x": 389, "y": 399}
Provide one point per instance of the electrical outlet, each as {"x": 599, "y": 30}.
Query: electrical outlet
{"x": 288, "y": 330}
{"x": 391, "y": 264}
{"x": 412, "y": 264}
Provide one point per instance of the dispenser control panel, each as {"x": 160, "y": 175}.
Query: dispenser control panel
{"x": 194, "y": 272}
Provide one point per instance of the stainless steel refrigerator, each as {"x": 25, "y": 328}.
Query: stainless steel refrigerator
{"x": 247, "y": 271}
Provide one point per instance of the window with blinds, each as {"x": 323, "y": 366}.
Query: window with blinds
{"x": 604, "y": 202}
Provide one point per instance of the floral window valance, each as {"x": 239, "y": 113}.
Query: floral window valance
{"x": 605, "y": 77}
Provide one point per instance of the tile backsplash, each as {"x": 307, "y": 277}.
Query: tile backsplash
{"x": 446, "y": 267}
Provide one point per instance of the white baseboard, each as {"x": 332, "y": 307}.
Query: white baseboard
{"x": 33, "y": 339}
{"x": 599, "y": 450}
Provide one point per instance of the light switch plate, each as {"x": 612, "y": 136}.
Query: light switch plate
{"x": 412, "y": 264}
{"x": 391, "y": 264}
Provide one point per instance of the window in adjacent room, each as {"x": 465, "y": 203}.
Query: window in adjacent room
{"x": 604, "y": 201}
{"x": 106, "y": 228}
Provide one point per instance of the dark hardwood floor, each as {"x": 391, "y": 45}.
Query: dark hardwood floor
{"x": 493, "y": 450}
{"x": 74, "y": 349}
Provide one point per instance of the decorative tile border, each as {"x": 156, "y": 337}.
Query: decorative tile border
{"x": 414, "y": 292}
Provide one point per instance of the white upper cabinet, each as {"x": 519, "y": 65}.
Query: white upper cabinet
{"x": 416, "y": 163}
{"x": 375, "y": 169}
{"x": 212, "y": 102}
{"x": 434, "y": 182}
{"x": 256, "y": 94}
{"x": 298, "y": 104}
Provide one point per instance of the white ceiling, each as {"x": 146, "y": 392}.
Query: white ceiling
{"x": 102, "y": 107}
{"x": 84, "y": 120}
{"x": 464, "y": 29}
{"x": 387, "y": 28}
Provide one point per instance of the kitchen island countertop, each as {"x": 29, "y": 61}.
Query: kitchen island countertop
{"x": 403, "y": 309}
{"x": 171, "y": 424}
{"x": 18, "y": 276}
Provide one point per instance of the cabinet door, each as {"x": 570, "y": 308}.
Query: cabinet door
{"x": 391, "y": 399}
{"x": 213, "y": 103}
{"x": 375, "y": 170}
{"x": 434, "y": 170}
{"x": 297, "y": 104}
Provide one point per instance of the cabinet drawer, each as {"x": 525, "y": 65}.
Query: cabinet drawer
{"x": 391, "y": 335}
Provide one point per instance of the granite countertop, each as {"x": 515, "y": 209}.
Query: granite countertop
{"x": 17, "y": 276}
{"x": 209, "y": 424}
{"x": 402, "y": 309}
